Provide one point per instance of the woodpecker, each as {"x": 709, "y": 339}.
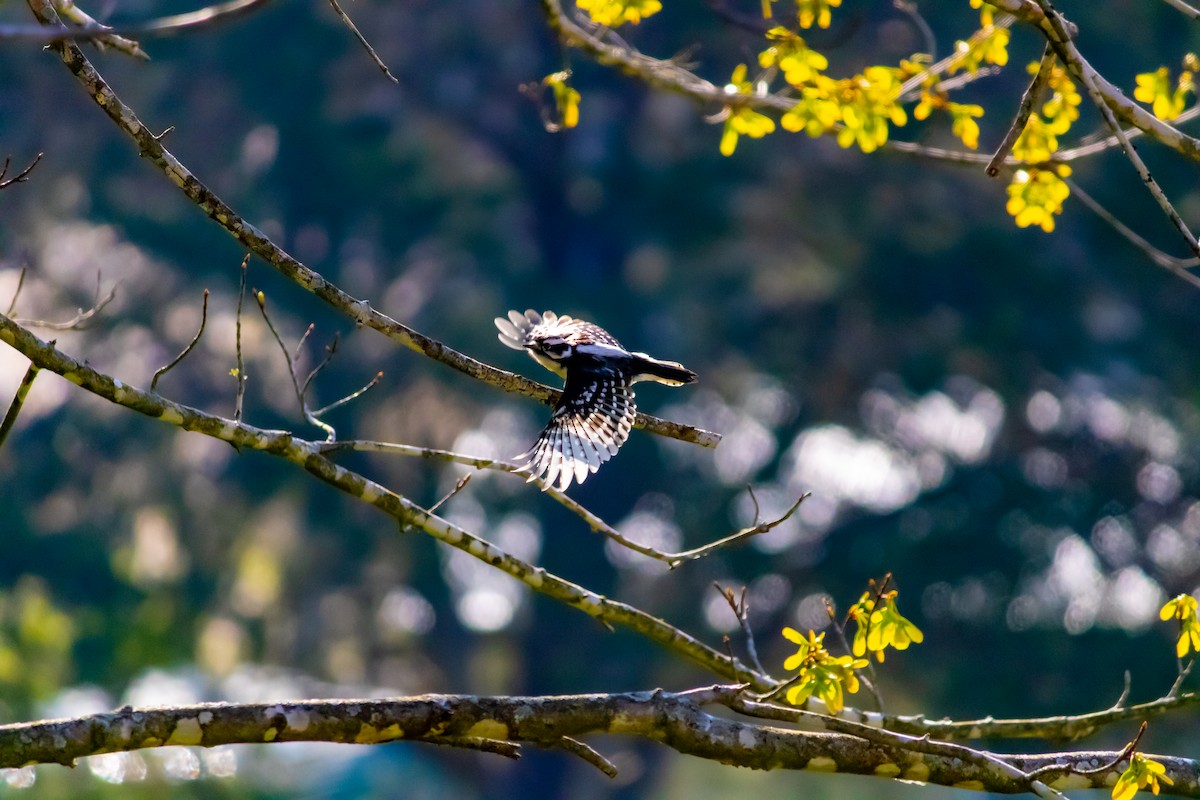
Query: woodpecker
{"x": 595, "y": 413}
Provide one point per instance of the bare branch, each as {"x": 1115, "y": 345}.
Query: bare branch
{"x": 18, "y": 401}
{"x": 81, "y": 317}
{"x": 362, "y": 40}
{"x": 259, "y": 244}
{"x": 1031, "y": 98}
{"x": 675, "y": 719}
{"x": 241, "y": 364}
{"x": 741, "y": 610}
{"x": 1185, "y": 8}
{"x": 309, "y": 456}
{"x": 320, "y": 412}
{"x": 1177, "y": 266}
{"x": 12, "y": 305}
{"x": 301, "y": 390}
{"x": 598, "y": 525}
{"x": 90, "y": 29}
{"x": 163, "y": 370}
{"x": 588, "y": 754}
{"x": 20, "y": 177}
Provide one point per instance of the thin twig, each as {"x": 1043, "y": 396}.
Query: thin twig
{"x": 1183, "y": 674}
{"x": 733, "y": 538}
{"x": 299, "y": 390}
{"x": 241, "y": 365}
{"x": 18, "y": 401}
{"x": 741, "y": 610}
{"x": 20, "y": 177}
{"x": 1185, "y": 8}
{"x": 1176, "y": 266}
{"x": 362, "y": 40}
{"x": 163, "y": 370}
{"x": 320, "y": 412}
{"x": 162, "y": 26}
{"x": 598, "y": 525}
{"x": 12, "y": 306}
{"x": 497, "y": 747}
{"x": 913, "y": 13}
{"x": 82, "y": 316}
{"x": 330, "y": 352}
{"x": 1030, "y": 100}
{"x": 1124, "y": 696}
{"x": 588, "y": 754}
{"x": 458, "y": 487}
{"x": 1132, "y": 154}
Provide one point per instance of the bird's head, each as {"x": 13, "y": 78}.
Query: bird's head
{"x": 554, "y": 347}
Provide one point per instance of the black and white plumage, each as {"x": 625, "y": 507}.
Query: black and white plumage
{"x": 595, "y": 413}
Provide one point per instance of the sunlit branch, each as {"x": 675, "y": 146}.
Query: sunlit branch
{"x": 309, "y": 455}
{"x": 675, "y": 719}
{"x": 258, "y": 243}
{"x": 598, "y": 525}
{"x": 920, "y": 744}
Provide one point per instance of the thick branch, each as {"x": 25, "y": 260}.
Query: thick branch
{"x": 258, "y": 243}
{"x": 677, "y": 720}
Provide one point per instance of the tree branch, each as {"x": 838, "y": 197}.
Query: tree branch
{"x": 677, "y": 720}
{"x": 308, "y": 455}
{"x": 163, "y": 26}
{"x": 258, "y": 243}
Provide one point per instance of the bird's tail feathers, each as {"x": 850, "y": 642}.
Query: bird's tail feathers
{"x": 672, "y": 373}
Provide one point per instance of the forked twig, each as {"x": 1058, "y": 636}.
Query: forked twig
{"x": 741, "y": 610}
{"x": 20, "y": 177}
{"x": 82, "y": 316}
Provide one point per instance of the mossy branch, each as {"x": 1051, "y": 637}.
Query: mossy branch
{"x": 677, "y": 720}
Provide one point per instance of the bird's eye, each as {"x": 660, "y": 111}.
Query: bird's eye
{"x": 557, "y": 348}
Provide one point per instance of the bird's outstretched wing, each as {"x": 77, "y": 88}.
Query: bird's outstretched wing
{"x": 589, "y": 424}
{"x": 520, "y": 329}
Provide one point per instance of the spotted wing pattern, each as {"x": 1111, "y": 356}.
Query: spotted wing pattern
{"x": 520, "y": 329}
{"x": 589, "y": 424}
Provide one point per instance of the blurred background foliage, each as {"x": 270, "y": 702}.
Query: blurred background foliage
{"x": 1004, "y": 419}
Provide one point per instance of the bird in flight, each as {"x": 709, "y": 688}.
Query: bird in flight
{"x": 595, "y": 413}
